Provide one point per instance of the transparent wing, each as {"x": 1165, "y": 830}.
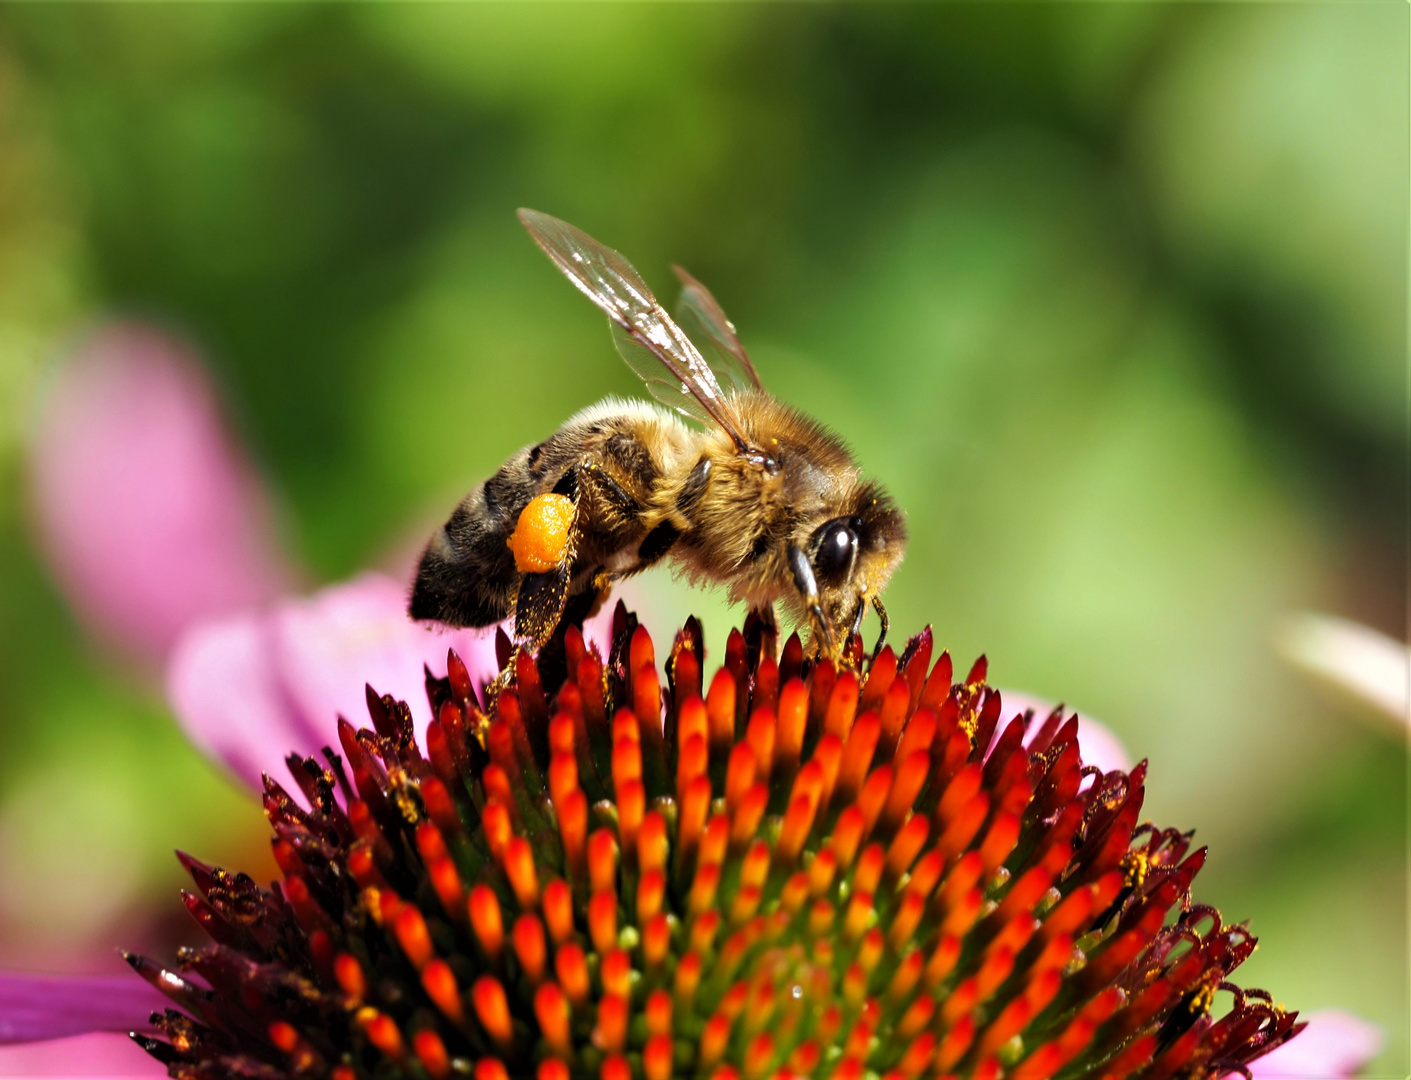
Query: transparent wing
{"x": 654, "y": 347}
{"x": 662, "y": 383}
{"x": 702, "y": 317}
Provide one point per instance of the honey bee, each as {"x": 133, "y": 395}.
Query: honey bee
{"x": 760, "y": 497}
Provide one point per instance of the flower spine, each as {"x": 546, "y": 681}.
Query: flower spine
{"x": 789, "y": 869}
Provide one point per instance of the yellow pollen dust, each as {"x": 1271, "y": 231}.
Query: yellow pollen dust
{"x": 969, "y": 713}
{"x": 1134, "y": 867}
{"x": 1204, "y": 998}
{"x": 540, "y": 537}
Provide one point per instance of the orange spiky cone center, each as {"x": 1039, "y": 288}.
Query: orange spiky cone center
{"x": 791, "y": 869}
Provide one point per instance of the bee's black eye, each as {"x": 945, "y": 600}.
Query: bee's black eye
{"x": 836, "y": 551}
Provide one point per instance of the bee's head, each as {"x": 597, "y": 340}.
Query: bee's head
{"x": 854, "y": 553}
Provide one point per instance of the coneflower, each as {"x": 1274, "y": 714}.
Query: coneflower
{"x": 788, "y": 868}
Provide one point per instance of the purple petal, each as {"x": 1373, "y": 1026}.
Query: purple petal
{"x": 149, "y": 515}
{"x": 1096, "y": 744}
{"x": 35, "y": 1007}
{"x": 1333, "y": 1046}
{"x": 94, "y": 1056}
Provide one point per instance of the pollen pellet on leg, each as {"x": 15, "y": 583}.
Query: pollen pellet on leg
{"x": 540, "y": 537}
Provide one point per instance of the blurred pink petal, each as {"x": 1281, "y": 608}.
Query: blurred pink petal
{"x": 97, "y": 1056}
{"x": 149, "y": 513}
{"x": 1096, "y": 744}
{"x": 1335, "y": 1045}
{"x": 1361, "y": 662}
{"x": 331, "y": 645}
{"x": 223, "y": 686}
{"x": 250, "y": 687}
{"x": 34, "y": 1007}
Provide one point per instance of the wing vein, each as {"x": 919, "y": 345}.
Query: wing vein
{"x": 615, "y": 287}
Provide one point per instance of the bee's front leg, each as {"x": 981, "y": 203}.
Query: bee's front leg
{"x": 862, "y": 601}
{"x": 807, "y": 585}
{"x": 857, "y": 618}
{"x": 882, "y": 618}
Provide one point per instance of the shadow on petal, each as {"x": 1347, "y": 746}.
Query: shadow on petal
{"x": 223, "y": 686}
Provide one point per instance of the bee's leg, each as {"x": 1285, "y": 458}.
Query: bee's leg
{"x": 552, "y": 659}
{"x": 540, "y": 602}
{"x": 541, "y": 599}
{"x": 605, "y": 484}
{"x": 882, "y": 617}
{"x": 652, "y": 549}
{"x": 497, "y": 685}
{"x": 857, "y": 619}
{"x": 807, "y": 585}
{"x": 769, "y": 618}
{"x": 656, "y": 544}
{"x": 761, "y": 635}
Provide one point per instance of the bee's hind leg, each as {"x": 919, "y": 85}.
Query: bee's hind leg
{"x": 552, "y": 659}
{"x": 542, "y": 597}
{"x": 540, "y": 602}
{"x": 499, "y": 683}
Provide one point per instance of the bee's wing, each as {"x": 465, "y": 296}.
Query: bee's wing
{"x": 645, "y": 335}
{"x": 702, "y": 317}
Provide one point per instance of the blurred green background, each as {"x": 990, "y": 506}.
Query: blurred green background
{"x": 1112, "y": 297}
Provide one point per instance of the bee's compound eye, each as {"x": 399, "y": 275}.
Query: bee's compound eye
{"x": 837, "y": 549}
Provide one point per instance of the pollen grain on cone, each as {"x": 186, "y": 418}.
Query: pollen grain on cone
{"x": 776, "y": 869}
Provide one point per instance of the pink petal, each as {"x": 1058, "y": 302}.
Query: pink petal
{"x": 96, "y": 1056}
{"x": 1333, "y": 1046}
{"x": 35, "y": 1007}
{"x": 1096, "y": 744}
{"x": 149, "y": 514}
{"x": 223, "y": 685}
{"x": 331, "y": 645}
{"x": 1360, "y": 661}
{"x": 251, "y": 687}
